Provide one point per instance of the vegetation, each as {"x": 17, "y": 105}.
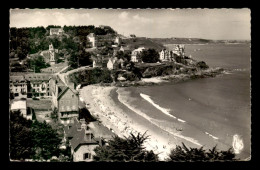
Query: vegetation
{"x": 182, "y": 153}
{"x": 149, "y": 56}
{"x": 32, "y": 140}
{"x": 123, "y": 55}
{"x": 79, "y": 59}
{"x": 94, "y": 76}
{"x": 37, "y": 63}
{"x": 125, "y": 149}
{"x": 85, "y": 114}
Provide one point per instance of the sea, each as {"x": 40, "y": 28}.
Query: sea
{"x": 209, "y": 112}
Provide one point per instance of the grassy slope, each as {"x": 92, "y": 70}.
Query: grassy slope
{"x": 143, "y": 42}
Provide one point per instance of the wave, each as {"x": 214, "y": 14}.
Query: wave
{"x": 124, "y": 102}
{"x": 214, "y": 137}
{"x": 165, "y": 111}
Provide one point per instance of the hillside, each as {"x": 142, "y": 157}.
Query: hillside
{"x": 134, "y": 43}
{"x": 192, "y": 41}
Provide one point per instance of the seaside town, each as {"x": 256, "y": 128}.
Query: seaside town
{"x": 62, "y": 81}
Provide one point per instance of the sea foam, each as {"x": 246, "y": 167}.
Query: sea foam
{"x": 123, "y": 101}
{"x": 165, "y": 111}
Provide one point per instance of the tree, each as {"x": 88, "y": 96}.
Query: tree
{"x": 149, "y": 56}
{"x": 125, "y": 149}
{"x": 20, "y": 137}
{"x": 45, "y": 141}
{"x": 182, "y": 153}
{"x": 38, "y": 63}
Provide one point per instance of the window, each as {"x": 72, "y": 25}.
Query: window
{"x": 86, "y": 156}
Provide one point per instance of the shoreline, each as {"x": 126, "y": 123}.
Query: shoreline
{"x": 107, "y": 105}
{"x": 210, "y": 72}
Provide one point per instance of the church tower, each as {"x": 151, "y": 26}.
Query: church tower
{"x": 52, "y": 55}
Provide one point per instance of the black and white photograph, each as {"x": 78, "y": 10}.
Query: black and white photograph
{"x": 129, "y": 85}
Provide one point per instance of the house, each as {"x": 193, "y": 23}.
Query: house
{"x": 56, "y": 31}
{"x": 22, "y": 106}
{"x": 110, "y": 63}
{"x": 39, "y": 84}
{"x": 99, "y": 62}
{"x": 64, "y": 98}
{"x": 135, "y": 54}
{"x": 117, "y": 40}
{"x": 18, "y": 85}
{"x": 84, "y": 137}
{"x": 179, "y": 50}
{"x": 92, "y": 39}
{"x": 166, "y": 55}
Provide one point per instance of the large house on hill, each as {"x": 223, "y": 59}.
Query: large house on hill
{"x": 166, "y": 55}
{"x": 56, "y": 31}
{"x": 65, "y": 99}
{"x": 84, "y": 137}
{"x": 177, "y": 54}
{"x": 135, "y": 54}
{"x": 92, "y": 39}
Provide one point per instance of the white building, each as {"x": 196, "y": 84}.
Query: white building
{"x": 56, "y": 31}
{"x": 117, "y": 41}
{"x": 179, "y": 50}
{"x": 166, "y": 55}
{"x": 22, "y": 106}
{"x": 92, "y": 38}
{"x": 134, "y": 54}
{"x": 110, "y": 64}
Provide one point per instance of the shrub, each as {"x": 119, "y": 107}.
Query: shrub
{"x": 125, "y": 149}
{"x": 182, "y": 153}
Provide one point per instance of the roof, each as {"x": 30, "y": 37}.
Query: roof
{"x": 20, "y": 104}
{"x": 79, "y": 139}
{"x": 17, "y": 78}
{"x": 98, "y": 130}
{"x": 56, "y": 29}
{"x": 38, "y": 77}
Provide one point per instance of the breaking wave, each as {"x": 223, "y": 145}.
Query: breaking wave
{"x": 123, "y": 100}
{"x": 163, "y": 110}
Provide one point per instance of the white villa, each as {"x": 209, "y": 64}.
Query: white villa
{"x": 92, "y": 38}
{"x": 134, "y": 54}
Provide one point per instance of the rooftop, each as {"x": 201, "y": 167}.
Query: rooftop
{"x": 20, "y": 104}
{"x": 17, "y": 78}
{"x": 38, "y": 77}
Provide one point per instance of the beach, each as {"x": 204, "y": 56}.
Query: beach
{"x": 103, "y": 102}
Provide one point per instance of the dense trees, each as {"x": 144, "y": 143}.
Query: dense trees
{"x": 45, "y": 141}
{"x": 124, "y": 55}
{"x": 37, "y": 63}
{"x": 79, "y": 59}
{"x": 125, "y": 149}
{"x": 32, "y": 140}
{"x": 149, "y": 56}
{"x": 25, "y": 41}
{"x": 183, "y": 153}
{"x": 93, "y": 76}
{"x": 20, "y": 137}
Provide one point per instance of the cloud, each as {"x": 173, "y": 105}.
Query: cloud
{"x": 142, "y": 19}
{"x": 123, "y": 15}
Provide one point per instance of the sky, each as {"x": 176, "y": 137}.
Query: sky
{"x": 216, "y": 24}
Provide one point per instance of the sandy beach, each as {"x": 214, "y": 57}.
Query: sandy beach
{"x": 121, "y": 120}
